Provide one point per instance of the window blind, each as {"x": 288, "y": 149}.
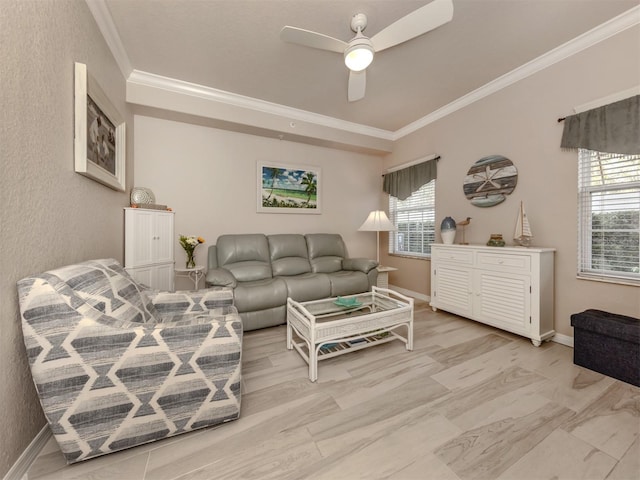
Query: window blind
{"x": 609, "y": 216}
{"x": 414, "y": 219}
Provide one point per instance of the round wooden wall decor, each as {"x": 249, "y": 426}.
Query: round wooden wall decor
{"x": 489, "y": 180}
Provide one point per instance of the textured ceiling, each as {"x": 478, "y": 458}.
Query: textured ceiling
{"x": 234, "y": 45}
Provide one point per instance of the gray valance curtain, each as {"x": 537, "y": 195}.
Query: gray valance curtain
{"x": 402, "y": 183}
{"x": 614, "y": 128}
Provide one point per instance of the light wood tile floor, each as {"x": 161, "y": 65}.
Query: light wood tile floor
{"x": 470, "y": 402}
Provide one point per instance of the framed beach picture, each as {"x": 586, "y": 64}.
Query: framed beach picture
{"x": 99, "y": 144}
{"x": 286, "y": 188}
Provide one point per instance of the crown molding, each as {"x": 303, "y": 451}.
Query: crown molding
{"x": 228, "y": 98}
{"x": 103, "y": 18}
{"x": 594, "y": 36}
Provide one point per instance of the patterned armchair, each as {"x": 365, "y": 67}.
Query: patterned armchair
{"x": 117, "y": 365}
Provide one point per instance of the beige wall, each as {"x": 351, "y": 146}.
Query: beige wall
{"x": 209, "y": 177}
{"x": 50, "y": 215}
{"x": 519, "y": 122}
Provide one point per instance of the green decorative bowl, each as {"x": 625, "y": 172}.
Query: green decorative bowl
{"x": 347, "y": 302}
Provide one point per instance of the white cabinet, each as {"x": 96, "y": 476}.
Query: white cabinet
{"x": 507, "y": 287}
{"x": 148, "y": 247}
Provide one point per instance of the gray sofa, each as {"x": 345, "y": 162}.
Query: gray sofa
{"x": 264, "y": 270}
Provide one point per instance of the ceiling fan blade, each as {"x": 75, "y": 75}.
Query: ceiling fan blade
{"x": 418, "y": 22}
{"x": 311, "y": 39}
{"x": 357, "y": 84}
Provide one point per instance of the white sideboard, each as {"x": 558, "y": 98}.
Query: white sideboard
{"x": 148, "y": 247}
{"x": 507, "y": 287}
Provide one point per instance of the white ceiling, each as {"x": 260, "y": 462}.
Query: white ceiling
{"x": 234, "y": 46}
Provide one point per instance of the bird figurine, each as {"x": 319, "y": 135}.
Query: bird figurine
{"x": 463, "y": 223}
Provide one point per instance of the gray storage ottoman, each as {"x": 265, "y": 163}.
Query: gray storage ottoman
{"x": 607, "y": 343}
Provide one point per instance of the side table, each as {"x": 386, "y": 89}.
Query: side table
{"x": 383, "y": 276}
{"x": 195, "y": 274}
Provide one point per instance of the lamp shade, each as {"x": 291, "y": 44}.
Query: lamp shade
{"x": 358, "y": 55}
{"x": 377, "y": 221}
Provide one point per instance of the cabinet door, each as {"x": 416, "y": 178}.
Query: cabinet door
{"x": 140, "y": 238}
{"x": 163, "y": 238}
{"x": 503, "y": 300}
{"x": 453, "y": 289}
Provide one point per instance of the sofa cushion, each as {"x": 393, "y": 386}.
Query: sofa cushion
{"x": 288, "y": 254}
{"x": 326, "y": 252}
{"x": 308, "y": 286}
{"x": 245, "y": 256}
{"x": 260, "y": 294}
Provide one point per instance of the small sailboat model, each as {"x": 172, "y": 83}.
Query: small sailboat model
{"x": 522, "y": 234}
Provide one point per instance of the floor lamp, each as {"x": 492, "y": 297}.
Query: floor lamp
{"x": 377, "y": 221}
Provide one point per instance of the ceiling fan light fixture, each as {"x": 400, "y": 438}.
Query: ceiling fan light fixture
{"x": 359, "y": 51}
{"x": 358, "y": 56}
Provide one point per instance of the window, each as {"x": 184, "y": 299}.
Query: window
{"x": 609, "y": 216}
{"x": 414, "y": 219}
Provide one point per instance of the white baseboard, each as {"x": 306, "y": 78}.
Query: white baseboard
{"x": 19, "y": 469}
{"x": 563, "y": 339}
{"x": 410, "y": 293}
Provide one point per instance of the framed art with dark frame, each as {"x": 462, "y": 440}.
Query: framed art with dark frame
{"x": 284, "y": 188}
{"x": 100, "y": 130}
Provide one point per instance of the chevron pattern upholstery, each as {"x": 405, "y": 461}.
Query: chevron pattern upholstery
{"x": 117, "y": 365}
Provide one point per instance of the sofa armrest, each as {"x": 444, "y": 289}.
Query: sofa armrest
{"x": 363, "y": 265}
{"x": 183, "y": 302}
{"x": 220, "y": 277}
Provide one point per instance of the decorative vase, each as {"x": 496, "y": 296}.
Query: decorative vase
{"x": 448, "y": 230}
{"x": 191, "y": 263}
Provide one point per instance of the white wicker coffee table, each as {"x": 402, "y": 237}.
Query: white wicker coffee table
{"x": 322, "y": 329}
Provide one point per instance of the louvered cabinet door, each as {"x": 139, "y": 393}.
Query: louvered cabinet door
{"x": 503, "y": 300}
{"x": 453, "y": 290}
{"x": 452, "y": 280}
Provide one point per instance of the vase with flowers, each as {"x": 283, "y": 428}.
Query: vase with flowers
{"x": 189, "y": 243}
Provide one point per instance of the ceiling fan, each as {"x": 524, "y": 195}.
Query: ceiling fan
{"x": 358, "y": 52}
